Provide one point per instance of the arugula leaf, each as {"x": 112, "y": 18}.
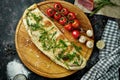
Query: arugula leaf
{"x": 46, "y": 39}
{"x": 35, "y": 27}
{"x": 66, "y": 64}
{"x": 76, "y": 62}
{"x": 63, "y": 43}
{"x": 69, "y": 57}
{"x": 77, "y": 48}
{"x": 58, "y": 58}
{"x": 60, "y": 55}
{"x": 27, "y": 20}
{"x": 54, "y": 45}
{"x": 53, "y": 34}
{"x": 36, "y": 18}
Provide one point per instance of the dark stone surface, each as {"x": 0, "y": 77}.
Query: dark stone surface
{"x": 10, "y": 13}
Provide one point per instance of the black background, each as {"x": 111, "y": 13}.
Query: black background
{"x": 10, "y": 13}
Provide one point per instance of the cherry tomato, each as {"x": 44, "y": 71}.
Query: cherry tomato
{"x": 68, "y": 27}
{"x": 64, "y": 11}
{"x": 57, "y": 16}
{"x": 71, "y": 16}
{"x": 57, "y": 6}
{"x": 50, "y": 12}
{"x": 63, "y": 20}
{"x": 76, "y": 23}
{"x": 76, "y": 34}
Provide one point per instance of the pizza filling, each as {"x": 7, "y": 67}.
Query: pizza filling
{"x": 51, "y": 40}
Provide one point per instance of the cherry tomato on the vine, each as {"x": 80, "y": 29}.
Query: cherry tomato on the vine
{"x": 63, "y": 20}
{"x": 68, "y": 27}
{"x": 71, "y": 16}
{"x": 64, "y": 11}
{"x": 57, "y": 16}
{"x": 57, "y": 6}
{"x": 50, "y": 12}
{"x": 76, "y": 34}
{"x": 75, "y": 23}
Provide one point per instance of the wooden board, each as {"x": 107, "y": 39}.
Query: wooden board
{"x": 33, "y": 58}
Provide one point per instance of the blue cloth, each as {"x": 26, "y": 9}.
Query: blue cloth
{"x": 107, "y": 68}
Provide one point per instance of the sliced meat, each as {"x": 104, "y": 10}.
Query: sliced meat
{"x": 87, "y": 4}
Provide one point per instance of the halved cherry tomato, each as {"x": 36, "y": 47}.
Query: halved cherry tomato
{"x": 76, "y": 34}
{"x": 64, "y": 11}
{"x": 50, "y": 12}
{"x": 57, "y": 6}
{"x": 68, "y": 27}
{"x": 57, "y": 16}
{"x": 63, "y": 20}
{"x": 76, "y": 23}
{"x": 71, "y": 16}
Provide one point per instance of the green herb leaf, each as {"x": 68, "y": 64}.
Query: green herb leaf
{"x": 27, "y": 22}
{"x": 58, "y": 58}
{"x": 36, "y": 18}
{"x": 54, "y": 45}
{"x": 53, "y": 34}
{"x": 76, "y": 62}
{"x": 77, "y": 48}
{"x": 63, "y": 43}
{"x": 51, "y": 29}
{"x": 66, "y": 64}
{"x": 100, "y": 4}
{"x": 69, "y": 57}
{"x": 60, "y": 55}
{"x": 35, "y": 27}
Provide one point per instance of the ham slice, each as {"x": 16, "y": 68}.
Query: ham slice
{"x": 87, "y": 4}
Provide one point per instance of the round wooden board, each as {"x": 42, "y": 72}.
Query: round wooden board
{"x": 33, "y": 58}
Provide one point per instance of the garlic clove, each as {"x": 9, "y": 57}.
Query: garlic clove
{"x": 89, "y": 44}
{"x": 82, "y": 39}
{"x": 89, "y": 33}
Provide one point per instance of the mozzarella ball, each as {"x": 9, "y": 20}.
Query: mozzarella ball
{"x": 82, "y": 39}
{"x": 89, "y": 33}
{"x": 89, "y": 44}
